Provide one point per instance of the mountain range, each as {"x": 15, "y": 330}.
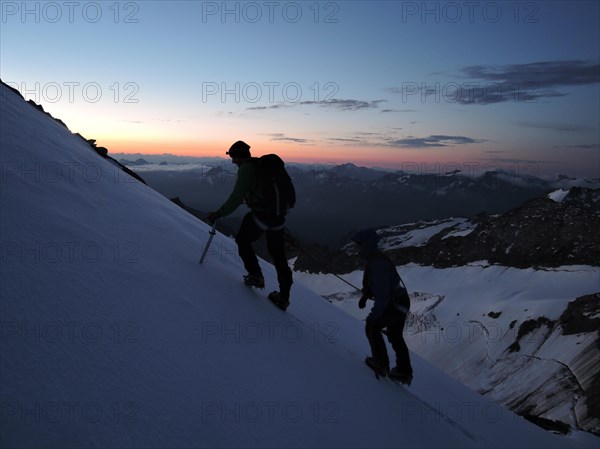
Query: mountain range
{"x": 540, "y": 232}
{"x": 335, "y": 200}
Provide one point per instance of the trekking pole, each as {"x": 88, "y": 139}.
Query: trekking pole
{"x": 211, "y": 234}
{"x": 295, "y": 243}
{"x": 344, "y": 280}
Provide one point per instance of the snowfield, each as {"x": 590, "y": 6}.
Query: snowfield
{"x": 422, "y": 232}
{"x": 112, "y": 334}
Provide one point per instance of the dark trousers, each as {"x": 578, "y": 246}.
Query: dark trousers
{"x": 248, "y": 233}
{"x": 394, "y": 321}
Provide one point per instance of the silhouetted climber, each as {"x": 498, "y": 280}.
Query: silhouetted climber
{"x": 264, "y": 185}
{"x": 382, "y": 283}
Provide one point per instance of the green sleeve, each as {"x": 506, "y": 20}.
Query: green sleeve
{"x": 243, "y": 184}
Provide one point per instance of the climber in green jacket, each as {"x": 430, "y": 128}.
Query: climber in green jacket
{"x": 260, "y": 219}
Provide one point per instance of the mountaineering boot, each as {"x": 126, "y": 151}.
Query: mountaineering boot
{"x": 379, "y": 369}
{"x": 280, "y": 300}
{"x": 254, "y": 280}
{"x": 403, "y": 377}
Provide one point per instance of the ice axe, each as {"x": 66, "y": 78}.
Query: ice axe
{"x": 211, "y": 234}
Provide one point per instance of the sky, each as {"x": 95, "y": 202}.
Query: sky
{"x": 420, "y": 86}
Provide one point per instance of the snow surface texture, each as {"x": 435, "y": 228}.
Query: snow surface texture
{"x": 114, "y": 336}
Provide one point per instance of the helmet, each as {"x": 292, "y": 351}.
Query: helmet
{"x": 239, "y": 149}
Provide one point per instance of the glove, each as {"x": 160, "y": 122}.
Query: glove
{"x": 212, "y": 217}
{"x": 362, "y": 303}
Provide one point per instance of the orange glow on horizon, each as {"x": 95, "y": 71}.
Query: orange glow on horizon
{"x": 411, "y": 159}
{"x": 299, "y": 154}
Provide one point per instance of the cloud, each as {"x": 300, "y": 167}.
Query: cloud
{"x": 344, "y": 139}
{"x": 398, "y": 110}
{"x": 489, "y": 84}
{"x": 591, "y": 146}
{"x": 563, "y": 127}
{"x": 282, "y": 137}
{"x": 432, "y": 141}
{"x": 229, "y": 114}
{"x": 345, "y": 105}
{"x": 545, "y": 74}
{"x": 368, "y": 138}
{"x": 262, "y": 108}
{"x": 526, "y": 82}
{"x": 341, "y": 105}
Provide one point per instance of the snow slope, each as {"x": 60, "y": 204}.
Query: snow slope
{"x": 112, "y": 334}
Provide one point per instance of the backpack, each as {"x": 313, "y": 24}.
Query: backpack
{"x": 400, "y": 299}
{"x": 273, "y": 185}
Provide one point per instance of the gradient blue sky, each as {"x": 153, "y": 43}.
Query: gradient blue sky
{"x": 372, "y": 83}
